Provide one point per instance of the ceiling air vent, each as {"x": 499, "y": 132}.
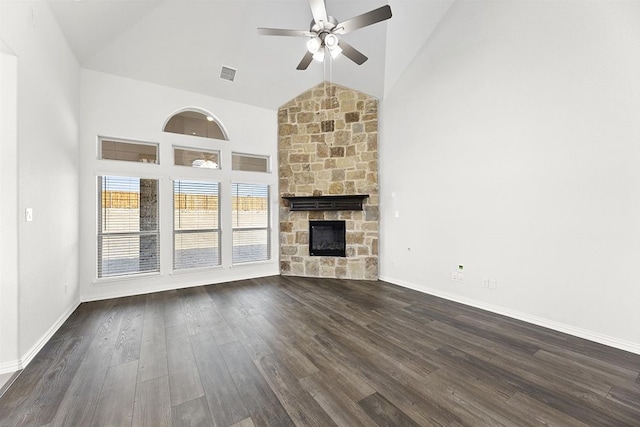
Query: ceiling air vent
{"x": 227, "y": 73}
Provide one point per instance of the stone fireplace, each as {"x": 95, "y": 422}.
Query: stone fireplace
{"x": 328, "y": 146}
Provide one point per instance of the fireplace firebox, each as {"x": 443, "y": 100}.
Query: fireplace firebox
{"x": 327, "y": 238}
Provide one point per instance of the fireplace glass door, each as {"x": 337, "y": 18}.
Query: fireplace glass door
{"x": 327, "y": 238}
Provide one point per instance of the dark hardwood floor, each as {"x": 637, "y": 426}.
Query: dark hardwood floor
{"x": 315, "y": 352}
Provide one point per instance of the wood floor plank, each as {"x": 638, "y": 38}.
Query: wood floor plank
{"x": 410, "y": 402}
{"x": 115, "y": 405}
{"x": 474, "y": 402}
{"x": 13, "y": 398}
{"x": 343, "y": 410}
{"x": 247, "y": 422}
{"x": 344, "y": 373}
{"x": 570, "y": 370}
{"x": 300, "y": 405}
{"x": 261, "y": 402}
{"x": 223, "y": 398}
{"x": 81, "y": 397}
{"x": 153, "y": 349}
{"x": 40, "y": 404}
{"x": 152, "y": 407}
{"x": 628, "y": 395}
{"x": 155, "y": 303}
{"x": 192, "y": 413}
{"x": 385, "y": 413}
{"x": 543, "y": 414}
{"x": 495, "y": 336}
{"x": 574, "y": 404}
{"x": 172, "y": 309}
{"x": 191, "y": 312}
{"x": 184, "y": 378}
{"x": 127, "y": 346}
{"x": 295, "y": 360}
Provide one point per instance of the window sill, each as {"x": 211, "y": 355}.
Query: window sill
{"x": 113, "y": 279}
{"x": 195, "y": 270}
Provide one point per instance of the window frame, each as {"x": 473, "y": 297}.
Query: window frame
{"x": 102, "y": 139}
{"x": 268, "y": 228}
{"x": 218, "y": 230}
{"x": 99, "y": 233}
{"x": 214, "y": 151}
{"x": 267, "y": 159}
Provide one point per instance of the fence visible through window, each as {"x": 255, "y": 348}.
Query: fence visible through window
{"x": 250, "y": 223}
{"x": 196, "y": 220}
{"x": 128, "y": 235}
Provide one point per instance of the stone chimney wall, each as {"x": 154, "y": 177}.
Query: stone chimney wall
{"x": 328, "y": 144}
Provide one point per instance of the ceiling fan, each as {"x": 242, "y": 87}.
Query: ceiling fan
{"x": 324, "y": 31}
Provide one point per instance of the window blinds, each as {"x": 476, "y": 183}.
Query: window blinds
{"x": 128, "y": 237}
{"x": 250, "y": 222}
{"x": 196, "y": 224}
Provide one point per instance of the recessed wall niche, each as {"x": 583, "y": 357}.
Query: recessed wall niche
{"x": 328, "y": 145}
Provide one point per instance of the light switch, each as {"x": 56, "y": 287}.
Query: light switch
{"x": 28, "y": 214}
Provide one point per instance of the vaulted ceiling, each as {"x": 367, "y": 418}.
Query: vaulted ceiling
{"x": 184, "y": 43}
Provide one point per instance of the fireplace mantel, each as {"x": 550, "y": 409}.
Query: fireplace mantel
{"x": 326, "y": 203}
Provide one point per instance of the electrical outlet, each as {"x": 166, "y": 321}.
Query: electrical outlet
{"x": 454, "y": 277}
{"x": 460, "y": 277}
{"x": 485, "y": 282}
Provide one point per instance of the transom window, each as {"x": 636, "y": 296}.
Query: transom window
{"x": 196, "y": 123}
{"x": 195, "y": 158}
{"x": 128, "y": 151}
{"x": 249, "y": 162}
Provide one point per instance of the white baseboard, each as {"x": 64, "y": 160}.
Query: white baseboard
{"x": 539, "y": 321}
{"x": 9, "y": 367}
{"x": 170, "y": 287}
{"x": 16, "y": 365}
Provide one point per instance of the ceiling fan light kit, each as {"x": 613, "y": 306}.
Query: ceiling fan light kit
{"x": 324, "y": 31}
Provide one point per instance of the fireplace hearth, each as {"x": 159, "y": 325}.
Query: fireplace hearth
{"x": 327, "y": 238}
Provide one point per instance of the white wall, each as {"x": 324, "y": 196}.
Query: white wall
{"x": 511, "y": 145}
{"x": 46, "y": 177}
{"x": 9, "y": 351}
{"x": 123, "y": 108}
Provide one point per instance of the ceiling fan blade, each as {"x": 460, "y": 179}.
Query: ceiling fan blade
{"x": 372, "y": 17}
{"x": 283, "y": 32}
{"x": 352, "y": 53}
{"x": 318, "y": 10}
{"x": 306, "y": 60}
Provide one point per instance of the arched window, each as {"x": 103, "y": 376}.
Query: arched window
{"x": 196, "y": 122}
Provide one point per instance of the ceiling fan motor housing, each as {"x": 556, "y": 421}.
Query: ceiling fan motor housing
{"x": 326, "y": 27}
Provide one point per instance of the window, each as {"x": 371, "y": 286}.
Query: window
{"x": 207, "y": 159}
{"x": 196, "y": 234}
{"x": 250, "y": 222}
{"x": 249, "y": 162}
{"x": 128, "y": 235}
{"x": 128, "y": 151}
{"x": 195, "y": 123}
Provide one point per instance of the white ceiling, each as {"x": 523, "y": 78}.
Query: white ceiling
{"x": 184, "y": 43}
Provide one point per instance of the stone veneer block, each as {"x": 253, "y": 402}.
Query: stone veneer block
{"x": 328, "y": 144}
